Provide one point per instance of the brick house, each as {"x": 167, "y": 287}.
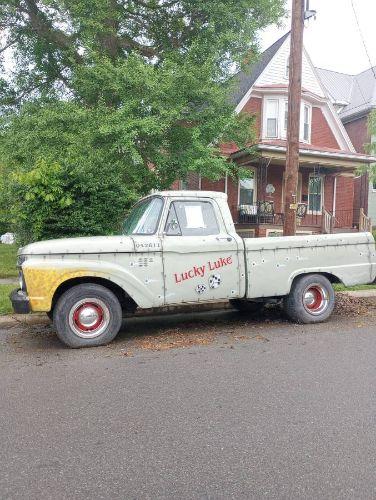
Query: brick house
{"x": 327, "y": 163}
{"x": 354, "y": 97}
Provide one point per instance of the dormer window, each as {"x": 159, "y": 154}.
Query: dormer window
{"x": 272, "y": 107}
{"x": 275, "y": 119}
{"x": 306, "y": 123}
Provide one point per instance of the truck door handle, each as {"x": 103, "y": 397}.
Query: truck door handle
{"x": 224, "y": 238}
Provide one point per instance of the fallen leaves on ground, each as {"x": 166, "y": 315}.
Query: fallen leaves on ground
{"x": 352, "y": 306}
{"x": 172, "y": 339}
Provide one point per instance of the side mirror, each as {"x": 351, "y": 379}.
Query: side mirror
{"x": 172, "y": 228}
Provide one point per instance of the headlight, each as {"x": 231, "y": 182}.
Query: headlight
{"x": 21, "y": 280}
{"x": 20, "y": 260}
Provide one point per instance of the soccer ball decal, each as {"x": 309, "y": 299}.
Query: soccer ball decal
{"x": 214, "y": 281}
{"x": 200, "y": 289}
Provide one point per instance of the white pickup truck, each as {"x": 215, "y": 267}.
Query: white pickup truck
{"x": 181, "y": 247}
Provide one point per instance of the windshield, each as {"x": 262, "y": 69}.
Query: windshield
{"x": 144, "y": 217}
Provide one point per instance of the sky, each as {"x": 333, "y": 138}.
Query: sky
{"x": 333, "y": 40}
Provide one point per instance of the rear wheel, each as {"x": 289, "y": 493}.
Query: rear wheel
{"x": 87, "y": 315}
{"x": 311, "y": 299}
{"x": 247, "y": 305}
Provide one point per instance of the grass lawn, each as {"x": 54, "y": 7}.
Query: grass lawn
{"x": 342, "y": 288}
{"x": 5, "y": 305}
{"x": 8, "y": 256}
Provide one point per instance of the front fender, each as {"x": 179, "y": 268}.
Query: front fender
{"x": 43, "y": 277}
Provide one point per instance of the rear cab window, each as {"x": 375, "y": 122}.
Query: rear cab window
{"x": 191, "y": 218}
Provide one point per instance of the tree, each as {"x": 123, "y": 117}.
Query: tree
{"x": 131, "y": 92}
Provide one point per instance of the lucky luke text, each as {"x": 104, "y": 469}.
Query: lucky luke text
{"x": 200, "y": 271}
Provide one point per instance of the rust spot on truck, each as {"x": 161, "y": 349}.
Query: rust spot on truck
{"x": 41, "y": 284}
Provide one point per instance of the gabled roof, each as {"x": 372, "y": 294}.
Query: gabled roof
{"x": 356, "y": 92}
{"x": 244, "y": 80}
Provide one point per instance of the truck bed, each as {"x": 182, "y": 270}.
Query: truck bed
{"x": 273, "y": 263}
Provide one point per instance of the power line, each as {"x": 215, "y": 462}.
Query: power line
{"x": 362, "y": 38}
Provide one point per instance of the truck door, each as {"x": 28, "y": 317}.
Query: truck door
{"x": 200, "y": 257}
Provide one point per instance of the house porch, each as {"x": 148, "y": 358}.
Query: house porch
{"x": 325, "y": 199}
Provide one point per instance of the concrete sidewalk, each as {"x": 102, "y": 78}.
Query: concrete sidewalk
{"x": 8, "y": 281}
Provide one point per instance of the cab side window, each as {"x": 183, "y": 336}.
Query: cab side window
{"x": 191, "y": 218}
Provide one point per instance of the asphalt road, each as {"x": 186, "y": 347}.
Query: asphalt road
{"x": 264, "y": 409}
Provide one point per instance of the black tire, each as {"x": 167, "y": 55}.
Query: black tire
{"x": 311, "y": 299}
{"x": 247, "y": 306}
{"x": 50, "y": 314}
{"x": 87, "y": 315}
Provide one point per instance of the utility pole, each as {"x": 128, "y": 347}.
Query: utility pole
{"x": 293, "y": 126}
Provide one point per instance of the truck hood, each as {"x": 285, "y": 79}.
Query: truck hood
{"x": 93, "y": 244}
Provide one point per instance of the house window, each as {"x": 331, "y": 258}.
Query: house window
{"x": 247, "y": 195}
{"x": 374, "y": 185}
{"x": 306, "y": 123}
{"x": 315, "y": 193}
{"x": 272, "y": 118}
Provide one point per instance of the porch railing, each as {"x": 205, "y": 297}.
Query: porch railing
{"x": 365, "y": 223}
{"x": 325, "y": 220}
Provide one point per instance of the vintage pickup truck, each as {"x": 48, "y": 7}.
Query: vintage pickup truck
{"x": 181, "y": 247}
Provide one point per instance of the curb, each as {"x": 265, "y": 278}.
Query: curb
{"x": 8, "y": 281}
{"x": 360, "y": 294}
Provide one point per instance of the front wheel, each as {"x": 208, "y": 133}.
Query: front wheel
{"x": 311, "y": 299}
{"x": 87, "y": 315}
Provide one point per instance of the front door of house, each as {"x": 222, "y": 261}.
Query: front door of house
{"x": 200, "y": 257}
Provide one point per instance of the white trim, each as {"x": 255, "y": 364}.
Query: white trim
{"x": 316, "y": 212}
{"x": 226, "y": 183}
{"x": 199, "y": 182}
{"x": 343, "y": 136}
{"x": 313, "y": 152}
{"x": 334, "y": 195}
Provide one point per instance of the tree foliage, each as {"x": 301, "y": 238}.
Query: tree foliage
{"x": 110, "y": 98}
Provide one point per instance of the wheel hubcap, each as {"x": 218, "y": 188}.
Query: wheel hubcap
{"x": 315, "y": 299}
{"x": 89, "y": 318}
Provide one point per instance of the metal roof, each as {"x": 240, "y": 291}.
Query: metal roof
{"x": 357, "y": 93}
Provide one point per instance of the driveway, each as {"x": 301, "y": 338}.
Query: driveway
{"x": 210, "y": 405}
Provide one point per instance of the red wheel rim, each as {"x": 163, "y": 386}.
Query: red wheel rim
{"x": 315, "y": 299}
{"x": 318, "y": 298}
{"x": 88, "y": 317}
